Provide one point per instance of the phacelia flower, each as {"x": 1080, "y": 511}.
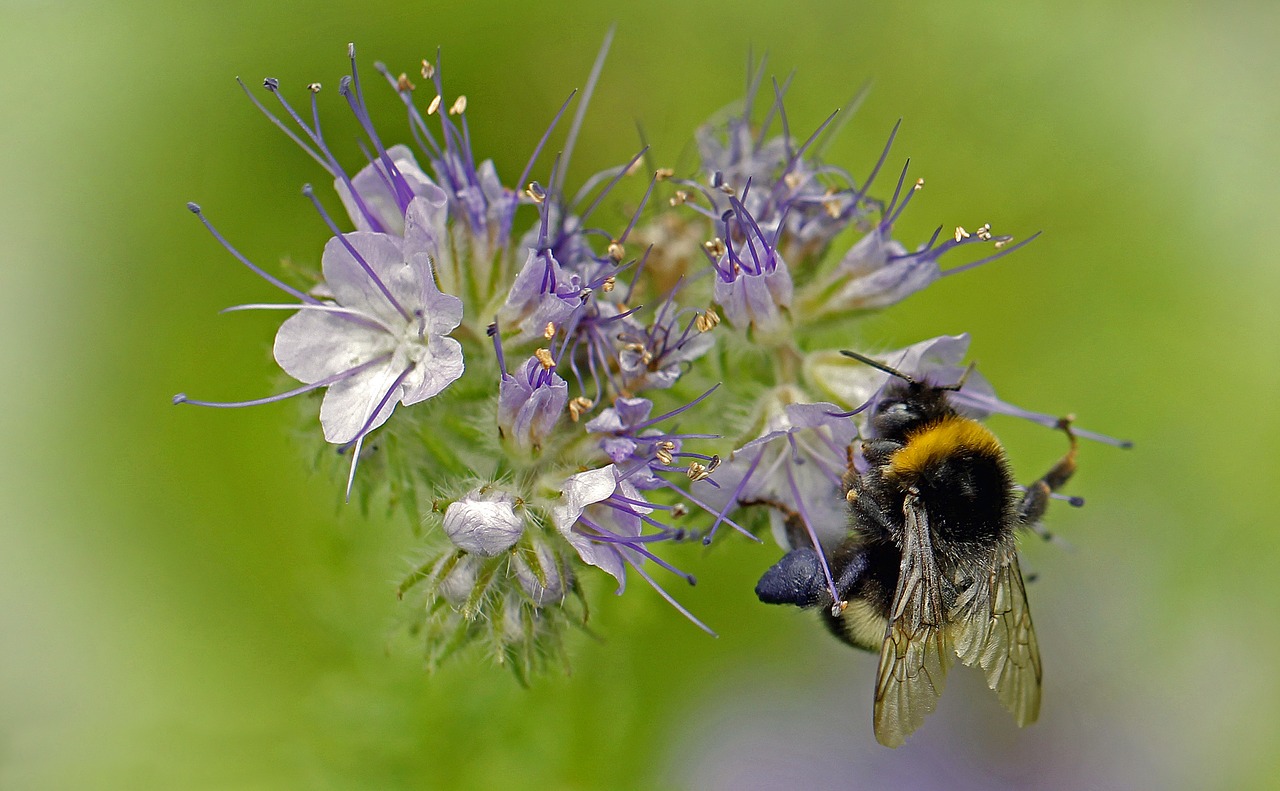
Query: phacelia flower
{"x": 530, "y": 402}
{"x": 753, "y": 284}
{"x": 384, "y": 333}
{"x": 378, "y": 339}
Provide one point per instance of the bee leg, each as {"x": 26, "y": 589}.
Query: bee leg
{"x": 878, "y": 451}
{"x": 1036, "y": 500}
{"x": 849, "y": 481}
{"x": 798, "y": 579}
{"x": 792, "y": 523}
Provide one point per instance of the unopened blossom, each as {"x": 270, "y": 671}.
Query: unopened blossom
{"x": 484, "y": 522}
{"x": 542, "y": 293}
{"x": 544, "y": 576}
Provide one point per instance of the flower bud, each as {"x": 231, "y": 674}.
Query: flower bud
{"x": 545, "y": 584}
{"x": 484, "y": 522}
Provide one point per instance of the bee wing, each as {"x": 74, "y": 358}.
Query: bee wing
{"x": 917, "y": 645}
{"x": 992, "y": 629}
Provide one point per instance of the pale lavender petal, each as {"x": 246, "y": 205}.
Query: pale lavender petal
{"x": 601, "y": 555}
{"x": 625, "y": 413}
{"x": 578, "y": 492}
{"x": 756, "y": 300}
{"x": 312, "y": 345}
{"x": 581, "y": 490}
{"x": 372, "y": 184}
{"x": 437, "y": 365}
{"x": 870, "y": 254}
{"x": 853, "y": 383}
{"x": 348, "y": 403}
{"x": 425, "y": 224}
{"x": 355, "y": 287}
{"x": 441, "y": 312}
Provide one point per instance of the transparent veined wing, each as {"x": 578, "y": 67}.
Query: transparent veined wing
{"x": 991, "y": 628}
{"x": 916, "y": 651}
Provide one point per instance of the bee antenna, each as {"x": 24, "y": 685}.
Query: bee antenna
{"x": 964, "y": 377}
{"x": 881, "y": 366}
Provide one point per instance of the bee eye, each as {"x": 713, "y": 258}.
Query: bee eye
{"x": 893, "y": 408}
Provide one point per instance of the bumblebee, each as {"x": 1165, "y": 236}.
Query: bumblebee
{"x": 929, "y": 568}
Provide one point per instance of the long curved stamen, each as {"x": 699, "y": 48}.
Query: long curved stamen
{"x": 663, "y": 593}
{"x": 891, "y": 212}
{"x": 850, "y": 108}
{"x": 358, "y": 442}
{"x": 778, "y": 107}
{"x": 991, "y": 404}
{"x": 609, "y": 537}
{"x": 317, "y": 138}
{"x": 643, "y": 425}
{"x": 813, "y": 537}
{"x": 622, "y": 171}
{"x": 537, "y": 150}
{"x": 875, "y": 171}
{"x": 795, "y": 158}
{"x": 342, "y": 238}
{"x": 399, "y": 188}
{"x": 283, "y": 128}
{"x": 722, "y": 516}
{"x": 181, "y": 398}
{"x": 417, "y": 125}
{"x": 355, "y": 316}
{"x": 194, "y": 208}
{"x": 995, "y": 256}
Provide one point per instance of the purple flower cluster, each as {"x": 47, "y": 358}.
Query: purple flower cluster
{"x": 539, "y": 468}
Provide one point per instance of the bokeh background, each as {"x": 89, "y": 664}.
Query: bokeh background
{"x": 184, "y": 605}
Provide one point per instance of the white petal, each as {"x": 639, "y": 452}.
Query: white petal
{"x": 578, "y": 492}
{"x": 354, "y": 287}
{"x": 582, "y": 490}
{"x": 424, "y": 222}
{"x": 440, "y": 366}
{"x": 347, "y": 404}
{"x": 602, "y": 556}
{"x": 312, "y": 345}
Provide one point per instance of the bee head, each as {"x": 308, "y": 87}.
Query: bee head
{"x": 907, "y": 405}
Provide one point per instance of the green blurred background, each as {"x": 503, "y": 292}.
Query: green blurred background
{"x": 183, "y": 605}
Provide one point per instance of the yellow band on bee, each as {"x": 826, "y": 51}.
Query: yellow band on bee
{"x": 935, "y": 442}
